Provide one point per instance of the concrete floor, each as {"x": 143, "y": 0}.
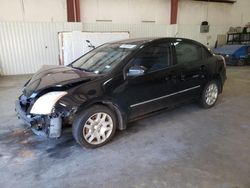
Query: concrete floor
{"x": 186, "y": 147}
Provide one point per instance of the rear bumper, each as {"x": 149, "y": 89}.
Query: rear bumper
{"x": 22, "y": 114}
{"x": 223, "y": 76}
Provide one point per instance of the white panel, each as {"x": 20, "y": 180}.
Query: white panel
{"x": 25, "y": 47}
{"x": 74, "y": 44}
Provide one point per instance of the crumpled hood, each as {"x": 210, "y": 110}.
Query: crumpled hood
{"x": 55, "y": 76}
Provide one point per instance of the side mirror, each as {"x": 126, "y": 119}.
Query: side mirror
{"x": 136, "y": 71}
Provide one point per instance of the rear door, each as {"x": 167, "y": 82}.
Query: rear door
{"x": 192, "y": 60}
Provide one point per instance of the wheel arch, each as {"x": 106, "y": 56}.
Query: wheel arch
{"x": 119, "y": 113}
{"x": 218, "y": 78}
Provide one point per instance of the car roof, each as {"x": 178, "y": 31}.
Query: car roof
{"x": 141, "y": 41}
{"x": 136, "y": 41}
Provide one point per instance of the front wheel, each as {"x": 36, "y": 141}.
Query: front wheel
{"x": 94, "y": 127}
{"x": 210, "y": 94}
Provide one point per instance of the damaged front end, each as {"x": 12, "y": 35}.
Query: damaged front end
{"x": 47, "y": 101}
{"x": 41, "y": 115}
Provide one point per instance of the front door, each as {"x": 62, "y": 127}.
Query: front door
{"x": 152, "y": 90}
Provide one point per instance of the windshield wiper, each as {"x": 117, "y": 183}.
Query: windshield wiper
{"x": 82, "y": 69}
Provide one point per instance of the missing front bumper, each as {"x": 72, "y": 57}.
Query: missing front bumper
{"x": 22, "y": 115}
{"x": 49, "y": 127}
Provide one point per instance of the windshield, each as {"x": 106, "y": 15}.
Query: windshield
{"x": 104, "y": 58}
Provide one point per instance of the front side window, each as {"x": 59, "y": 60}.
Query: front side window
{"x": 187, "y": 52}
{"x": 103, "y": 59}
{"x": 154, "y": 58}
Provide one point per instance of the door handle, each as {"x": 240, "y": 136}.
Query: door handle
{"x": 170, "y": 77}
{"x": 167, "y": 78}
{"x": 182, "y": 76}
{"x": 202, "y": 68}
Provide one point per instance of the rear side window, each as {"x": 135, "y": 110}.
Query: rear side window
{"x": 154, "y": 58}
{"x": 188, "y": 52}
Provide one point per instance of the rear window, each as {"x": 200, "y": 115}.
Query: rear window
{"x": 187, "y": 52}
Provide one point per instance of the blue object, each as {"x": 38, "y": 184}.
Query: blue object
{"x": 233, "y": 53}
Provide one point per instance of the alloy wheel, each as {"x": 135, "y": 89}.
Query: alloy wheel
{"x": 98, "y": 128}
{"x": 211, "y": 94}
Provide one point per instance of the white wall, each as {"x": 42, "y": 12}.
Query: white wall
{"x": 190, "y": 12}
{"x": 126, "y": 11}
{"x": 193, "y": 32}
{"x": 33, "y": 10}
{"x": 221, "y": 16}
{"x": 122, "y": 14}
{"x": 194, "y": 12}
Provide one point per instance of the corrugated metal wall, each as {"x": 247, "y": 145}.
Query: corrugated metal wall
{"x": 25, "y": 47}
{"x": 208, "y": 39}
{"x": 136, "y": 30}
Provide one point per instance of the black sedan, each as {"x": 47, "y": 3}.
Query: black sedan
{"x": 118, "y": 82}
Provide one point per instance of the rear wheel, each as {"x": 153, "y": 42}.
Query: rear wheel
{"x": 94, "y": 127}
{"x": 210, "y": 94}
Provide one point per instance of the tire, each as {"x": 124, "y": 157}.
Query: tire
{"x": 94, "y": 127}
{"x": 209, "y": 98}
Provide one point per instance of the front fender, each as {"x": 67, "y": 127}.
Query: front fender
{"x": 119, "y": 111}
